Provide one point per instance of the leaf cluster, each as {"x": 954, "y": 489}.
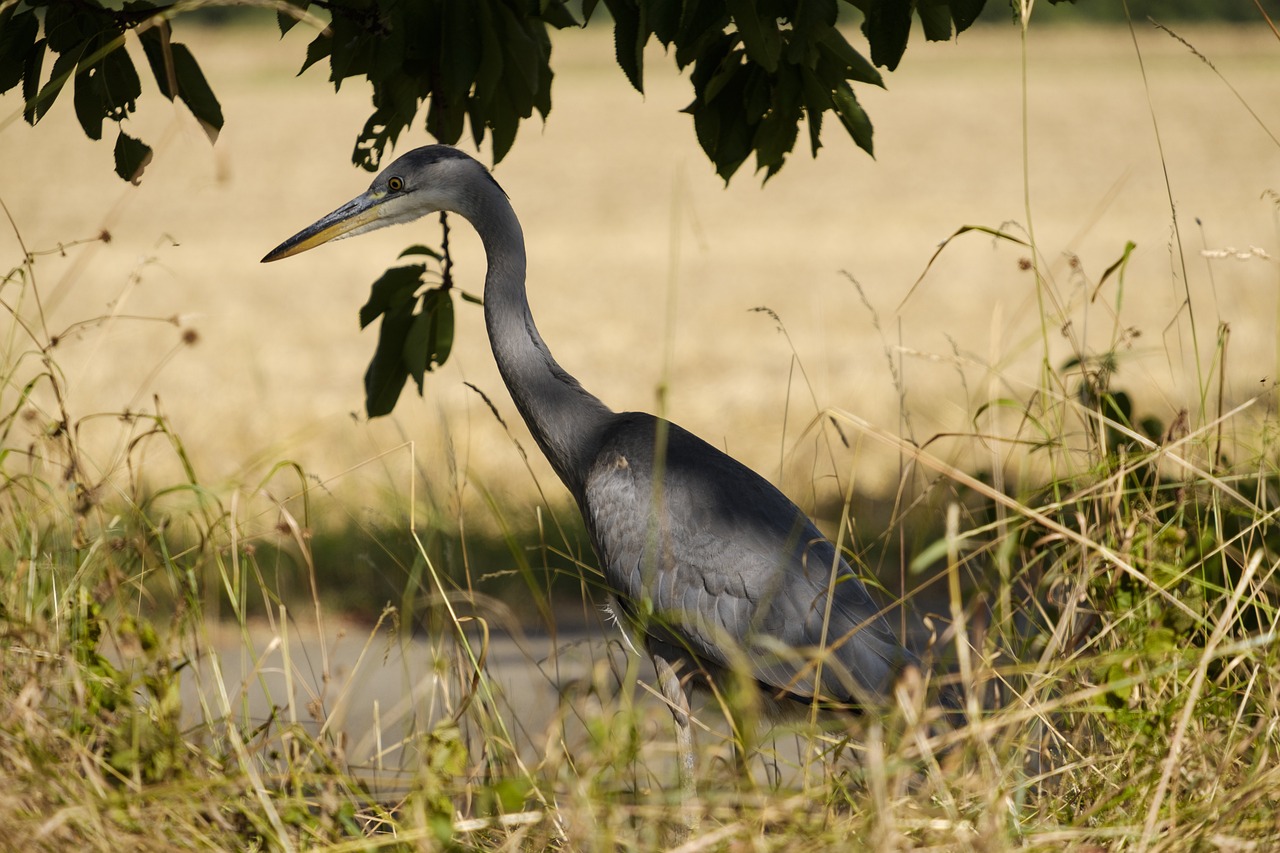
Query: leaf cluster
{"x": 416, "y": 334}
{"x": 486, "y": 62}
{"x": 85, "y": 41}
{"x": 758, "y": 68}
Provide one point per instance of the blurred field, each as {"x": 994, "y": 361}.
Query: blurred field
{"x": 645, "y": 268}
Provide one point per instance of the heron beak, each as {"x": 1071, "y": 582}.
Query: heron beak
{"x": 359, "y": 214}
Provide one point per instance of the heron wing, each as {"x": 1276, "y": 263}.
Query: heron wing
{"x": 708, "y": 557}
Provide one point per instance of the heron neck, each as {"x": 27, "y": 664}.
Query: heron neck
{"x": 563, "y": 417}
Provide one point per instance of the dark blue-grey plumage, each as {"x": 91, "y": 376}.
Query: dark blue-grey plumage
{"x": 711, "y": 566}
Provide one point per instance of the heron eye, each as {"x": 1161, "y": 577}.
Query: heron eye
{"x": 395, "y": 184}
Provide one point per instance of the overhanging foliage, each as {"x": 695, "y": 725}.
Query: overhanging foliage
{"x": 758, "y": 67}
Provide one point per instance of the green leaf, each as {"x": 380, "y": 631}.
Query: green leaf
{"x": 286, "y": 21}
{"x": 810, "y": 20}
{"x": 710, "y": 119}
{"x": 817, "y": 100}
{"x": 702, "y": 24}
{"x": 87, "y": 98}
{"x": 419, "y": 249}
{"x": 177, "y": 74}
{"x": 430, "y": 337}
{"x": 555, "y": 13}
{"x": 18, "y": 31}
{"x": 390, "y": 46}
{"x": 759, "y": 34}
{"x": 121, "y": 85}
{"x": 385, "y": 378}
{"x": 852, "y": 116}
{"x": 629, "y": 36}
{"x": 446, "y": 117}
{"x": 381, "y": 130}
{"x": 814, "y": 118}
{"x": 156, "y": 47}
{"x": 442, "y": 345}
{"x": 664, "y": 19}
{"x": 417, "y": 350}
{"x": 1161, "y": 642}
{"x": 132, "y": 157}
{"x": 68, "y": 26}
{"x": 505, "y": 122}
{"x": 353, "y": 47}
{"x": 965, "y": 12}
{"x": 813, "y": 17}
{"x": 935, "y": 18}
{"x": 63, "y": 67}
{"x": 107, "y": 86}
{"x": 460, "y": 56}
{"x": 319, "y": 48}
{"x": 31, "y": 69}
{"x": 722, "y": 126}
{"x": 1119, "y": 684}
{"x": 856, "y": 66}
{"x": 479, "y": 121}
{"x": 409, "y": 342}
{"x": 542, "y": 94}
{"x": 511, "y": 793}
{"x": 733, "y": 142}
{"x": 460, "y": 52}
{"x": 522, "y": 62}
{"x": 394, "y": 291}
{"x": 887, "y": 27}
{"x": 731, "y": 68}
{"x": 777, "y": 131}
{"x": 757, "y": 93}
{"x": 194, "y": 91}
{"x": 489, "y": 75}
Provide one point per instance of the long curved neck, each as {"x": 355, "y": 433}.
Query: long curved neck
{"x": 564, "y": 418}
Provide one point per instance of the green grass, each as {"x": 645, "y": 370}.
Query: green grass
{"x": 1108, "y": 583}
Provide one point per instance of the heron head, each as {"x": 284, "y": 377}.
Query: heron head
{"x": 425, "y": 180}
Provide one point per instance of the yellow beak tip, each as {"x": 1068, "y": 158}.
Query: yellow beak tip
{"x": 350, "y": 217}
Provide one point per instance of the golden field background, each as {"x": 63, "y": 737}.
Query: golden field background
{"x": 644, "y": 268}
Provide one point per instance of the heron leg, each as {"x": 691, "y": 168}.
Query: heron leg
{"x": 678, "y": 701}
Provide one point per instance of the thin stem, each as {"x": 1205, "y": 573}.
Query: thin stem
{"x": 1025, "y": 7}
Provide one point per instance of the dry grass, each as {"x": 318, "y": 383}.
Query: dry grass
{"x": 1115, "y": 636}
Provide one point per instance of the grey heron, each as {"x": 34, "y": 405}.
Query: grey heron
{"x": 710, "y": 567}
